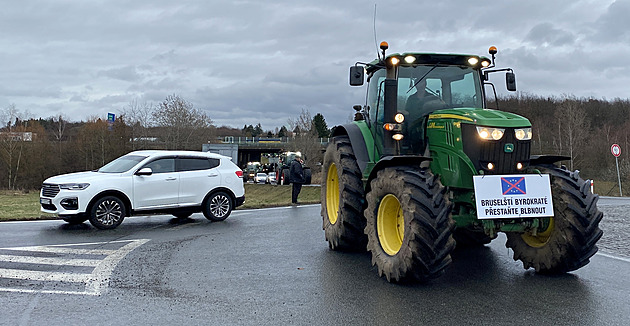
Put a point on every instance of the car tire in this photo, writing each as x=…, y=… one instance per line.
x=107, y=213
x=218, y=206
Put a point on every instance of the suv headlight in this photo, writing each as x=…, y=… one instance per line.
x=523, y=133
x=490, y=133
x=74, y=186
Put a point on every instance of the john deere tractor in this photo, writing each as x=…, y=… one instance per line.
x=426, y=166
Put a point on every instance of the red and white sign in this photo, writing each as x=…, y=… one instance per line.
x=615, y=150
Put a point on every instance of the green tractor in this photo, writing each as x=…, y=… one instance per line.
x=284, y=165
x=426, y=167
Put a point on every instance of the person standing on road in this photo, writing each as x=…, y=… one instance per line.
x=296, y=175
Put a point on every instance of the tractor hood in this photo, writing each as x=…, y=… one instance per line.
x=482, y=117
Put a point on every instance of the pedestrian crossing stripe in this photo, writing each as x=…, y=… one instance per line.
x=103, y=262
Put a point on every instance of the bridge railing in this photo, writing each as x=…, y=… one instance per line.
x=262, y=140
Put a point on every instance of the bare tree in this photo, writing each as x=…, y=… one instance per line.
x=573, y=129
x=305, y=137
x=182, y=126
x=12, y=143
x=139, y=118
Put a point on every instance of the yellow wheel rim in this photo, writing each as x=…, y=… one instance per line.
x=390, y=224
x=541, y=238
x=332, y=193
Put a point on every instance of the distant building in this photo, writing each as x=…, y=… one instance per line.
x=17, y=136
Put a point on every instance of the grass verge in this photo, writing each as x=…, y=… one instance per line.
x=24, y=205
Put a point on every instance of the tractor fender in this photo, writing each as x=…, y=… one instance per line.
x=388, y=161
x=547, y=159
x=356, y=141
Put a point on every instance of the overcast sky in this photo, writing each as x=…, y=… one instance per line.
x=249, y=62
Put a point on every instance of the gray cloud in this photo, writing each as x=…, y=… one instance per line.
x=246, y=62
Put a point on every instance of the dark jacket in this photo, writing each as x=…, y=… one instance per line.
x=296, y=173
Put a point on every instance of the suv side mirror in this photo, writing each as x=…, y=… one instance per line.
x=145, y=171
x=357, y=75
x=510, y=81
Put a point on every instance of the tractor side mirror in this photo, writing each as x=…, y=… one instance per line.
x=357, y=75
x=510, y=81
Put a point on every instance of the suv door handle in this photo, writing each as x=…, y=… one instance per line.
x=171, y=179
x=213, y=175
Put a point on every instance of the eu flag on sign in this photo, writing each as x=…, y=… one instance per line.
x=513, y=186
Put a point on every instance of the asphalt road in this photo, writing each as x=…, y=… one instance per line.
x=273, y=267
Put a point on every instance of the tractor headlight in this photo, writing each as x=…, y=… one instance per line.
x=399, y=117
x=523, y=133
x=490, y=133
x=473, y=61
x=394, y=61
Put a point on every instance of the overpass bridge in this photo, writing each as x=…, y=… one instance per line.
x=252, y=149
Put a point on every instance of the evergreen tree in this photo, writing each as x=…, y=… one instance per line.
x=283, y=132
x=319, y=124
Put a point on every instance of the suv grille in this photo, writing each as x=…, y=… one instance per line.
x=50, y=190
x=481, y=152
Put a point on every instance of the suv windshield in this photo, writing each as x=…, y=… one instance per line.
x=121, y=164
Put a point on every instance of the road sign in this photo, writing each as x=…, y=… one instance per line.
x=615, y=150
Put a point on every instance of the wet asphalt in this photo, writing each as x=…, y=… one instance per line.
x=273, y=267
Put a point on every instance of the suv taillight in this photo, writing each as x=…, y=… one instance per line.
x=239, y=173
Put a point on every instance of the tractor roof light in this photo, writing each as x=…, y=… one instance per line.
x=493, y=50
x=410, y=59
x=398, y=137
x=394, y=61
x=399, y=117
x=485, y=63
x=473, y=61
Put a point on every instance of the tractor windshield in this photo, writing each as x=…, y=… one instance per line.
x=423, y=89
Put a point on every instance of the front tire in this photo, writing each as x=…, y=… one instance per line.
x=566, y=241
x=107, y=213
x=409, y=224
x=218, y=206
x=343, y=198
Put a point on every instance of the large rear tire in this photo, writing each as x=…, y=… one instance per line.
x=409, y=224
x=342, y=197
x=284, y=180
x=565, y=242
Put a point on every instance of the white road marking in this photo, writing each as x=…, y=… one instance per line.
x=21, y=274
x=614, y=257
x=95, y=282
x=50, y=261
x=61, y=250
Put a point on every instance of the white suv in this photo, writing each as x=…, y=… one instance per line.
x=175, y=182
